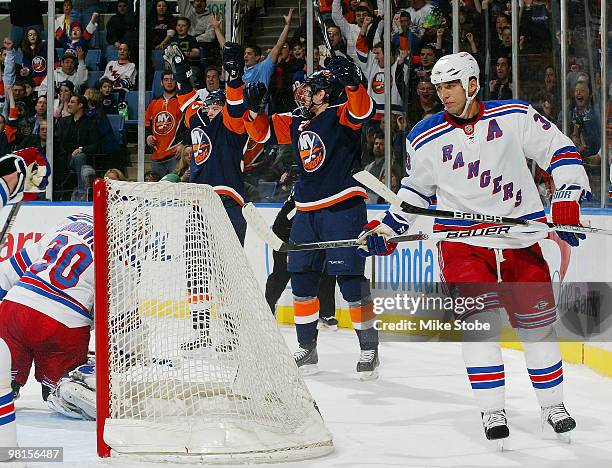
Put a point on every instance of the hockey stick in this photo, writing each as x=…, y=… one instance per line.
x=316, y=7
x=256, y=222
x=376, y=186
x=8, y=224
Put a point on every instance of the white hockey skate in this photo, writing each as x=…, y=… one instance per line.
x=559, y=419
x=496, y=427
x=367, y=366
x=307, y=360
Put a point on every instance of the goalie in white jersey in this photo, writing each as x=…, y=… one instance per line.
x=472, y=158
x=47, y=291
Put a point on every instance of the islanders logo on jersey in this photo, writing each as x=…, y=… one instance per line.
x=39, y=64
x=201, y=146
x=312, y=151
x=378, y=83
x=164, y=123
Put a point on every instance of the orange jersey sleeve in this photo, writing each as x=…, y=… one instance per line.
x=233, y=109
x=358, y=108
x=277, y=128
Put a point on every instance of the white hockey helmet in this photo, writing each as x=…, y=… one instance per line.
x=461, y=66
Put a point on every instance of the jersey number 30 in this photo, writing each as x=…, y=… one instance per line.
x=65, y=270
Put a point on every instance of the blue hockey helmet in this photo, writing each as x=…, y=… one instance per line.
x=216, y=97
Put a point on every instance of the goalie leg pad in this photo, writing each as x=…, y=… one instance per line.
x=74, y=399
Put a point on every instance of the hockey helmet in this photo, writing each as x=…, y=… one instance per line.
x=462, y=67
x=216, y=97
x=319, y=80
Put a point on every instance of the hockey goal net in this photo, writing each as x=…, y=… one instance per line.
x=190, y=362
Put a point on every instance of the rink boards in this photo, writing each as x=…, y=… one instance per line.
x=413, y=268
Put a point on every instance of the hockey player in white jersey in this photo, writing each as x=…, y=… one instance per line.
x=471, y=157
x=47, y=291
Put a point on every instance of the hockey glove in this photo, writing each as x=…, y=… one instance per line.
x=181, y=69
x=37, y=167
x=566, y=210
x=255, y=97
x=374, y=235
x=233, y=59
x=346, y=72
x=11, y=164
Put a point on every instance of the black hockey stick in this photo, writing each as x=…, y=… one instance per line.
x=256, y=222
x=8, y=224
x=371, y=182
x=317, y=11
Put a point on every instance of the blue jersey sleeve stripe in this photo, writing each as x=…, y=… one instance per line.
x=564, y=162
x=434, y=136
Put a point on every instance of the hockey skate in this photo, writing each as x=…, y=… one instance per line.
x=307, y=360
x=496, y=426
x=559, y=419
x=201, y=341
x=367, y=366
x=327, y=323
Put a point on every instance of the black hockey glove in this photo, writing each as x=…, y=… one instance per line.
x=344, y=71
x=181, y=69
x=233, y=59
x=255, y=97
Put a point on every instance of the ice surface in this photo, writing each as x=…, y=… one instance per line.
x=419, y=413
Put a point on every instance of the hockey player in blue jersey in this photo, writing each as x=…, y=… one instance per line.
x=472, y=158
x=330, y=203
x=218, y=140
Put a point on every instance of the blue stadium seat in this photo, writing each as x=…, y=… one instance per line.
x=157, y=58
x=117, y=123
x=131, y=98
x=92, y=59
x=93, y=78
x=157, y=88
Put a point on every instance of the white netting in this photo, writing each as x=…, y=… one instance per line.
x=173, y=255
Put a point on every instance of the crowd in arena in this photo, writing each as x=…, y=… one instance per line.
x=96, y=78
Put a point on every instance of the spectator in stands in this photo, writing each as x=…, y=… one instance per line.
x=114, y=174
x=419, y=10
x=34, y=51
x=37, y=140
x=202, y=28
x=548, y=91
x=256, y=69
x=110, y=153
x=377, y=166
x=70, y=72
x=77, y=138
x=78, y=38
x=189, y=46
x=585, y=121
x=19, y=92
x=281, y=87
x=184, y=154
x=336, y=41
x=24, y=14
x=63, y=21
x=372, y=63
x=162, y=26
x=29, y=99
x=402, y=37
x=121, y=72
x=212, y=81
x=108, y=104
x=429, y=55
x=501, y=87
x=162, y=120
x=8, y=128
x=427, y=102
x=60, y=105
x=351, y=31
x=40, y=113
x=122, y=28
x=505, y=47
x=535, y=20
x=151, y=176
